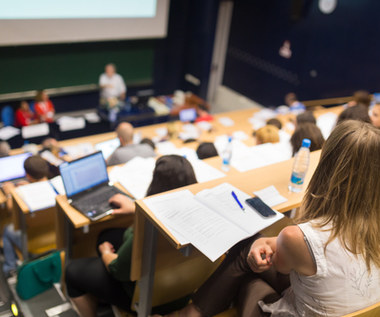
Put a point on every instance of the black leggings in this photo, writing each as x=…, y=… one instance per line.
x=90, y=276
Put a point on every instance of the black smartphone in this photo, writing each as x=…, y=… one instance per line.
x=262, y=208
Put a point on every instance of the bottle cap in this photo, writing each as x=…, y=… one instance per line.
x=306, y=143
x=229, y=139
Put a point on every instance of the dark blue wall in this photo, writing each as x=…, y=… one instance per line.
x=332, y=55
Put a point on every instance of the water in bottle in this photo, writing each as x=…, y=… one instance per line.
x=300, y=166
x=226, y=156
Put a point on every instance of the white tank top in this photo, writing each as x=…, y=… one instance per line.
x=340, y=286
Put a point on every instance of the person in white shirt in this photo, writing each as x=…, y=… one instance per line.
x=112, y=90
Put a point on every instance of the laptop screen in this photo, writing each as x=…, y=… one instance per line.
x=12, y=167
x=84, y=173
x=188, y=115
x=108, y=147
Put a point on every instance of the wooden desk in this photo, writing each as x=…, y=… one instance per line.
x=37, y=228
x=147, y=226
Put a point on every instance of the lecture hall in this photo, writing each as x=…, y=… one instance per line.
x=189, y=158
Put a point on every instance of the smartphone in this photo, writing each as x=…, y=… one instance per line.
x=262, y=208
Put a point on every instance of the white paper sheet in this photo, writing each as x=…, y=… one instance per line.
x=71, y=123
x=204, y=172
x=37, y=196
x=227, y=122
x=58, y=185
x=51, y=158
x=270, y=196
x=211, y=221
x=240, y=135
x=195, y=223
x=8, y=132
x=259, y=156
x=35, y=130
x=135, y=175
x=166, y=148
x=326, y=123
x=204, y=125
x=79, y=150
x=92, y=117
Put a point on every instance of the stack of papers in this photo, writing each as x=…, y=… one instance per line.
x=92, y=117
x=270, y=196
x=211, y=220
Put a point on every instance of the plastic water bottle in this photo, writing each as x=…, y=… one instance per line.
x=226, y=156
x=300, y=166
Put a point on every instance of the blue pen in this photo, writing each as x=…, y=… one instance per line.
x=237, y=200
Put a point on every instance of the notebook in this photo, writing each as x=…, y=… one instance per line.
x=87, y=185
x=12, y=167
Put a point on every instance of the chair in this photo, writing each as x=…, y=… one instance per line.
x=7, y=116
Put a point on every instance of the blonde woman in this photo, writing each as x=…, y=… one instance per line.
x=267, y=134
x=332, y=256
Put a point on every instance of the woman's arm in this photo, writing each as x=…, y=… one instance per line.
x=107, y=251
x=287, y=252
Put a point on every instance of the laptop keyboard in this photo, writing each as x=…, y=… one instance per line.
x=97, y=200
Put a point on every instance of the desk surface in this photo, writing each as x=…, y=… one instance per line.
x=276, y=174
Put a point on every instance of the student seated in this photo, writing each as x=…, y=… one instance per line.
x=360, y=97
x=274, y=121
x=149, y=142
x=44, y=108
x=358, y=112
x=206, y=150
x=293, y=103
x=4, y=148
x=375, y=115
x=36, y=169
x=267, y=134
x=24, y=116
x=127, y=149
x=107, y=278
x=307, y=131
x=306, y=116
x=332, y=255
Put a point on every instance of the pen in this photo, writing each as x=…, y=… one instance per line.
x=237, y=200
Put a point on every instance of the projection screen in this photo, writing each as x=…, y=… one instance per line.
x=25, y=22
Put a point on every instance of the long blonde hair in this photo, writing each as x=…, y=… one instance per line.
x=344, y=191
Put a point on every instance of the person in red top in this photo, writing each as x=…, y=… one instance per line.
x=44, y=108
x=24, y=116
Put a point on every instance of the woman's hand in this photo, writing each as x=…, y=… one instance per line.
x=123, y=205
x=106, y=248
x=260, y=255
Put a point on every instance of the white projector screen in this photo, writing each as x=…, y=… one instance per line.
x=24, y=22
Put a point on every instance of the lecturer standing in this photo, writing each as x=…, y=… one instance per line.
x=112, y=91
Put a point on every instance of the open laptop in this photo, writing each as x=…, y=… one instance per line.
x=87, y=185
x=188, y=115
x=108, y=147
x=12, y=167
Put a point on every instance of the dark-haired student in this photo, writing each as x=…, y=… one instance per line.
x=36, y=169
x=358, y=112
x=332, y=254
x=309, y=131
x=148, y=142
x=206, y=150
x=306, y=116
x=274, y=121
x=107, y=278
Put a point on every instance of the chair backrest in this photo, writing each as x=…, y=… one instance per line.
x=371, y=311
x=7, y=116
